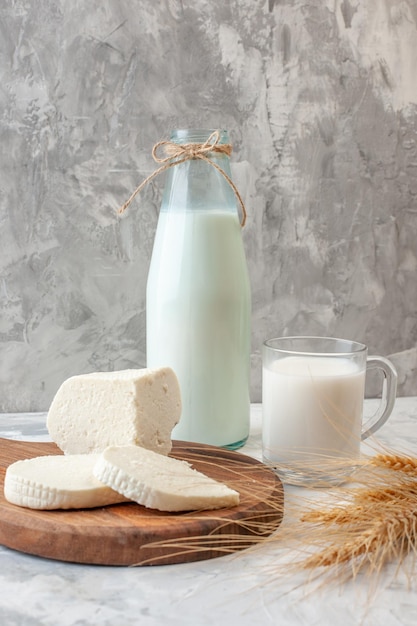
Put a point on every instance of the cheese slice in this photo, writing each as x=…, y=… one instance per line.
x=160, y=482
x=57, y=482
x=93, y=411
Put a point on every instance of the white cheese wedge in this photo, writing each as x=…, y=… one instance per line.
x=57, y=482
x=160, y=482
x=93, y=411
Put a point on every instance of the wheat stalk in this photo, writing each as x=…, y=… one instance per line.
x=372, y=524
x=395, y=462
x=380, y=534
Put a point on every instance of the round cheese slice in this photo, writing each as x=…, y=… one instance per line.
x=57, y=482
x=160, y=482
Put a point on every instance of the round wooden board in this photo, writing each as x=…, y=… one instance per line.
x=129, y=534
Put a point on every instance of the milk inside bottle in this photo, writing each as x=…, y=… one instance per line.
x=198, y=299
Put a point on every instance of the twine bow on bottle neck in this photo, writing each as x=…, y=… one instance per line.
x=175, y=154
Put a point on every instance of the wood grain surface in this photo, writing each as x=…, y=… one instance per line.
x=129, y=534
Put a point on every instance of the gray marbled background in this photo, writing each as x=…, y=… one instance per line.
x=320, y=99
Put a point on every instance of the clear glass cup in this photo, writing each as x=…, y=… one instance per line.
x=313, y=390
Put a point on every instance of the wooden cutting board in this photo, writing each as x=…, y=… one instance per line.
x=129, y=534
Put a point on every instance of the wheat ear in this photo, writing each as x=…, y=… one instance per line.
x=395, y=462
x=386, y=538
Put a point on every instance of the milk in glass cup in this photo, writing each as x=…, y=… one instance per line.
x=313, y=390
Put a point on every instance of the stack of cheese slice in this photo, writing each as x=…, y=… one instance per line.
x=115, y=430
x=118, y=474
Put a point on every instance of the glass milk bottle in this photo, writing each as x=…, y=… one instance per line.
x=198, y=298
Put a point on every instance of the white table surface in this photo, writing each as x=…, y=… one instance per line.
x=236, y=590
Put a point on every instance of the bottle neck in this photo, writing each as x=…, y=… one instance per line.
x=208, y=147
x=195, y=184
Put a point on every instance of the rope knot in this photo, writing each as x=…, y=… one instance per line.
x=194, y=151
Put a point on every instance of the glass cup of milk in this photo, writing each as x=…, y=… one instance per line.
x=313, y=390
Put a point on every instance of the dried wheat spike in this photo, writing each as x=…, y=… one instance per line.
x=347, y=514
x=385, y=538
x=396, y=462
x=397, y=495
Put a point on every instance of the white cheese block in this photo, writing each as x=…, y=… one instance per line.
x=160, y=482
x=57, y=482
x=93, y=411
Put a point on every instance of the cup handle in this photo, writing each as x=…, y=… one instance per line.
x=389, y=390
